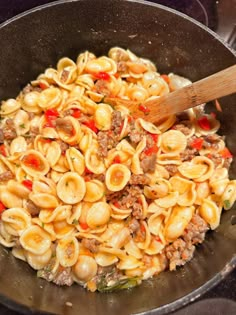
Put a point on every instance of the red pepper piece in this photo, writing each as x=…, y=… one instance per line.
x=204, y=123
x=28, y=184
x=76, y=113
x=84, y=225
x=91, y=124
x=50, y=116
x=87, y=171
x=32, y=161
x=2, y=207
x=102, y=76
x=157, y=238
x=166, y=78
x=142, y=228
x=117, y=160
x=197, y=143
x=225, y=153
x=144, y=109
x=154, y=137
x=43, y=86
x=3, y=150
x=151, y=150
x=116, y=204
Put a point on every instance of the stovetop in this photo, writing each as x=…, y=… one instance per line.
x=220, y=16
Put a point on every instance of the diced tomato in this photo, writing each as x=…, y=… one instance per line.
x=43, y=86
x=2, y=207
x=28, y=184
x=116, y=75
x=129, y=118
x=3, y=150
x=225, y=153
x=151, y=150
x=117, y=160
x=142, y=228
x=154, y=137
x=144, y=109
x=102, y=76
x=204, y=123
x=91, y=124
x=86, y=178
x=46, y=140
x=50, y=116
x=76, y=113
x=87, y=171
x=84, y=225
x=166, y=78
x=157, y=238
x=197, y=143
x=32, y=161
x=116, y=204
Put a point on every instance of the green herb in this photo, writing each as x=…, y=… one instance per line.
x=67, y=184
x=169, y=148
x=43, y=225
x=75, y=221
x=227, y=204
x=22, y=126
x=121, y=284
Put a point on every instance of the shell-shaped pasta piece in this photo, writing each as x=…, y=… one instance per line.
x=49, y=98
x=137, y=93
x=85, y=81
x=67, y=70
x=34, y=163
x=60, y=213
x=132, y=249
x=119, y=239
x=154, y=208
x=63, y=229
x=155, y=247
x=102, y=116
x=186, y=189
x=30, y=102
x=96, y=97
x=21, y=122
x=210, y=212
x=117, y=176
x=98, y=214
x=177, y=222
x=146, y=242
x=105, y=259
x=101, y=64
x=213, y=123
x=62, y=165
x=95, y=190
x=200, y=168
x=38, y=262
x=218, y=186
x=173, y=141
x=126, y=147
x=168, y=201
x=16, y=220
x=167, y=123
x=168, y=158
x=18, y=145
x=74, y=134
x=147, y=126
x=93, y=162
x=82, y=60
x=85, y=268
x=9, y=199
x=155, y=222
x=67, y=251
x=18, y=189
x=129, y=262
x=44, y=200
x=53, y=153
x=176, y=82
x=9, y=107
x=75, y=160
x=35, y=240
x=87, y=139
x=219, y=173
x=118, y=54
x=203, y=191
x=229, y=196
x=71, y=188
x=18, y=253
x=158, y=190
x=44, y=185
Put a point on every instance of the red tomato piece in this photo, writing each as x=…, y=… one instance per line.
x=197, y=143
x=50, y=116
x=3, y=150
x=151, y=150
x=76, y=113
x=84, y=225
x=2, y=207
x=43, y=86
x=154, y=137
x=225, y=153
x=144, y=109
x=32, y=161
x=204, y=123
x=87, y=171
x=28, y=184
x=117, y=160
x=116, y=204
x=166, y=78
x=102, y=76
x=91, y=124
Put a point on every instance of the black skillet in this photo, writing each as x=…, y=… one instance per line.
x=37, y=39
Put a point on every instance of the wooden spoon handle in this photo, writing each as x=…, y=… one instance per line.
x=215, y=86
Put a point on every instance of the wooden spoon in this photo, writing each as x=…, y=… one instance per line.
x=215, y=86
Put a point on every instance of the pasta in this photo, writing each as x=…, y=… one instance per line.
x=92, y=195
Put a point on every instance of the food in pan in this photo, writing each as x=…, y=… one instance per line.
x=89, y=193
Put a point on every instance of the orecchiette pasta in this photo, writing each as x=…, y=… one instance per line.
x=85, y=186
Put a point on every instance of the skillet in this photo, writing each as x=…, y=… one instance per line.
x=35, y=40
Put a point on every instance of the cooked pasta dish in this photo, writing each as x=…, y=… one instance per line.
x=91, y=194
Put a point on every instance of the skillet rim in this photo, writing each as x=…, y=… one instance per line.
x=192, y=296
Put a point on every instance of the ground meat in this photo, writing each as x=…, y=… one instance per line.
x=184, y=127
x=137, y=211
x=64, y=277
x=182, y=116
x=1, y=136
x=116, y=121
x=64, y=146
x=188, y=154
x=172, y=169
x=103, y=140
x=141, y=179
x=31, y=115
x=216, y=158
x=9, y=130
x=102, y=87
x=136, y=136
x=91, y=244
x=29, y=88
x=147, y=260
x=227, y=163
x=32, y=208
x=121, y=66
x=195, y=230
x=211, y=141
x=148, y=163
x=64, y=125
x=133, y=225
x=106, y=276
x=5, y=176
x=64, y=75
x=34, y=131
x=178, y=253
